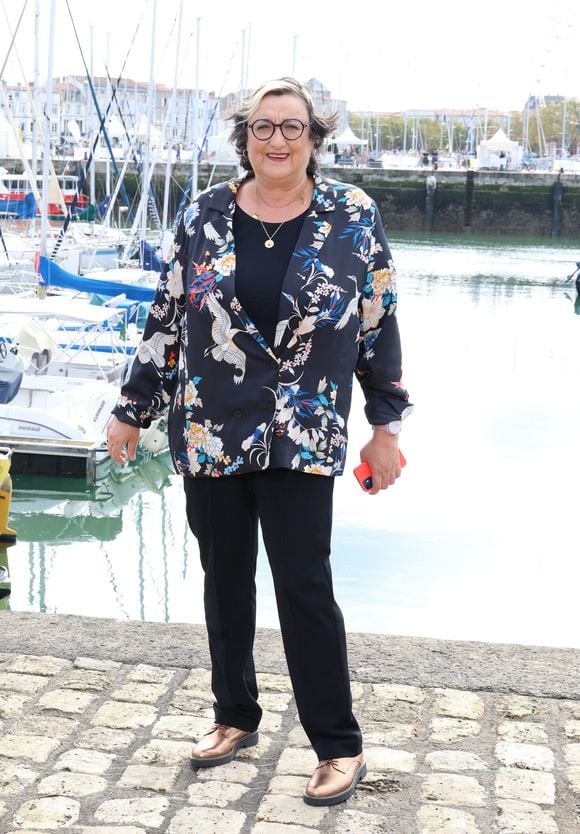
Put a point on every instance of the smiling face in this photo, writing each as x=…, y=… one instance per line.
x=279, y=161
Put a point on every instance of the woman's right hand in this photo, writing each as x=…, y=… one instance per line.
x=122, y=440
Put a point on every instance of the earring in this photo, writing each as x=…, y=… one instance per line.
x=244, y=155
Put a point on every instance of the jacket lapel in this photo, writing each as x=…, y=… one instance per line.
x=220, y=252
x=311, y=241
x=217, y=232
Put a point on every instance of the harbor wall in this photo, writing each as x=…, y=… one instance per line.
x=530, y=203
x=459, y=202
x=536, y=204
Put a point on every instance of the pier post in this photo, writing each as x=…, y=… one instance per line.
x=469, y=185
x=430, y=202
x=557, y=207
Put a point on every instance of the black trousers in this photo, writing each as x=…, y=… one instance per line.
x=295, y=512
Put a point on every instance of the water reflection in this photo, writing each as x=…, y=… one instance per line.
x=105, y=551
x=477, y=540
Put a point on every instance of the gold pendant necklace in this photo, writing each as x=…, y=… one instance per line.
x=269, y=242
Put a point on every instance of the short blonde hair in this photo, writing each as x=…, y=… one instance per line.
x=320, y=126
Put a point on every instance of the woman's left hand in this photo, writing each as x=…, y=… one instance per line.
x=382, y=455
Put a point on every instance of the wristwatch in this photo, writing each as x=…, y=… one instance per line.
x=394, y=427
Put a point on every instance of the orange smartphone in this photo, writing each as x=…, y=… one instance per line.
x=364, y=476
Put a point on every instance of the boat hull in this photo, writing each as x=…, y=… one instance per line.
x=58, y=425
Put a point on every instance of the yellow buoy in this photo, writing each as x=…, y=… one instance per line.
x=6, y=533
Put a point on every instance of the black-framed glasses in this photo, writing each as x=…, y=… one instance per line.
x=291, y=129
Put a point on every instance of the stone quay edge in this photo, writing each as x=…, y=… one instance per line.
x=97, y=717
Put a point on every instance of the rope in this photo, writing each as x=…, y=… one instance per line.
x=137, y=161
x=13, y=35
x=188, y=187
x=5, y=247
x=102, y=120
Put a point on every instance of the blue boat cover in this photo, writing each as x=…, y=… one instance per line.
x=149, y=258
x=24, y=208
x=54, y=275
x=9, y=385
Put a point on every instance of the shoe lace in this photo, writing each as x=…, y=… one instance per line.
x=220, y=728
x=333, y=763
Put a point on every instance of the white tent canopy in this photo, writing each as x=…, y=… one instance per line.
x=145, y=130
x=346, y=138
x=499, y=142
x=499, y=152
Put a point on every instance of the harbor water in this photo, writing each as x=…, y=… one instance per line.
x=476, y=541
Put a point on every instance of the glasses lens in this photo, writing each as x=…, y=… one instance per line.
x=292, y=129
x=263, y=129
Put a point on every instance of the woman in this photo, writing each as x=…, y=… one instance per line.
x=281, y=288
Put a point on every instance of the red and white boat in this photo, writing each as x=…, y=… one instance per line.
x=18, y=199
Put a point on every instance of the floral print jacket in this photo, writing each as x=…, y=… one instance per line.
x=237, y=404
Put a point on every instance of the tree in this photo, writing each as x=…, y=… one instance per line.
x=545, y=129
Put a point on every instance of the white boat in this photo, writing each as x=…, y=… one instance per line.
x=61, y=362
x=55, y=424
x=67, y=337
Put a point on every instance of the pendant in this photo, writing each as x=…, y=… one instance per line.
x=269, y=243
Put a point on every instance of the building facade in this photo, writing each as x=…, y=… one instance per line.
x=195, y=118
x=74, y=116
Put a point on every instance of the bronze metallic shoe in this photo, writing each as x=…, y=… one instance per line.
x=220, y=745
x=334, y=780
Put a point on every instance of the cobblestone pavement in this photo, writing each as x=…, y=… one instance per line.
x=101, y=747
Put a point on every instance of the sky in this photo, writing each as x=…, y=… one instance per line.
x=377, y=55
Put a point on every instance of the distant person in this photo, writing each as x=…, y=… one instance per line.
x=282, y=288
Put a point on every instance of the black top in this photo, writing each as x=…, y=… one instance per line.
x=260, y=271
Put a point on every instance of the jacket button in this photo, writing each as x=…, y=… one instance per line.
x=238, y=412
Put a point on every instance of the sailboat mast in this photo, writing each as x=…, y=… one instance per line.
x=171, y=121
x=36, y=85
x=248, y=56
x=194, y=175
x=109, y=97
x=243, y=64
x=47, y=134
x=150, y=91
x=92, y=130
